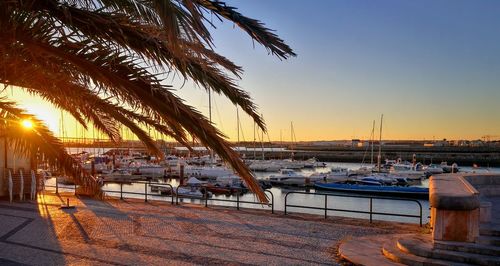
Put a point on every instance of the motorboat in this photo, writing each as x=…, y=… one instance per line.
x=147, y=169
x=118, y=175
x=313, y=163
x=223, y=190
x=292, y=164
x=409, y=171
x=207, y=171
x=204, y=160
x=171, y=161
x=449, y=168
x=193, y=192
x=362, y=171
x=433, y=169
x=373, y=188
x=188, y=192
x=162, y=189
x=288, y=177
x=336, y=174
x=265, y=166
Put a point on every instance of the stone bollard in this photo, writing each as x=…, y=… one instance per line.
x=455, y=209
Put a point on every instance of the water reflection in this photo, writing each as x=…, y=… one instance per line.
x=333, y=202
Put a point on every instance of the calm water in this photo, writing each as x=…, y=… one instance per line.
x=334, y=202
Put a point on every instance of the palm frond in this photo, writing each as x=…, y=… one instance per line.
x=103, y=61
x=40, y=141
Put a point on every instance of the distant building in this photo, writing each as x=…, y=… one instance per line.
x=477, y=143
x=355, y=143
x=441, y=143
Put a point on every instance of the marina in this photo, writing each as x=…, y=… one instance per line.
x=209, y=132
x=279, y=194
x=222, y=187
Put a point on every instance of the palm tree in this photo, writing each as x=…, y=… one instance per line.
x=103, y=62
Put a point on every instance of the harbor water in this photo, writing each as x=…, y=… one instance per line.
x=308, y=199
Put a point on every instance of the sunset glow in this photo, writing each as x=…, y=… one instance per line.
x=27, y=124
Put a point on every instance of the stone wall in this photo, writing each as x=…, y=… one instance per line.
x=487, y=184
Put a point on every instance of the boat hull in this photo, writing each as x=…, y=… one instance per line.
x=407, y=192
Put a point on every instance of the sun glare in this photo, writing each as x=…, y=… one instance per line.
x=27, y=124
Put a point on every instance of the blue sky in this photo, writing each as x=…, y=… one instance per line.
x=431, y=67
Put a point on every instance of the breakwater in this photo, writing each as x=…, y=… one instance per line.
x=464, y=156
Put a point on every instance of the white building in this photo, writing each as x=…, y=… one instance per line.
x=13, y=162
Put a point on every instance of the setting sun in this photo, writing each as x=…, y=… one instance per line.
x=27, y=124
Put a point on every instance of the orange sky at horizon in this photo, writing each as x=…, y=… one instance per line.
x=336, y=128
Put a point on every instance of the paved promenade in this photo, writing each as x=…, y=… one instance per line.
x=133, y=232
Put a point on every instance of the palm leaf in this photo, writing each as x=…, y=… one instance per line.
x=102, y=61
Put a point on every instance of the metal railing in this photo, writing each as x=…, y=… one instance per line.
x=145, y=194
x=206, y=198
x=370, y=212
x=58, y=186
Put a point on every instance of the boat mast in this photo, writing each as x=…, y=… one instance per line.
x=379, y=157
x=210, y=118
x=254, y=143
x=281, y=145
x=262, y=140
x=209, y=106
x=238, y=124
x=372, y=138
x=262, y=145
x=291, y=137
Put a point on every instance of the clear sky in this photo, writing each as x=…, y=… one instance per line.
x=431, y=67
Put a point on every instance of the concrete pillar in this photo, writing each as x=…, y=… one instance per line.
x=455, y=225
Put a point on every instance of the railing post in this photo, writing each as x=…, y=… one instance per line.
x=238, y=200
x=326, y=206
x=177, y=195
x=371, y=209
x=206, y=198
x=286, y=197
x=75, y=188
x=420, y=205
x=121, y=190
x=172, y=193
x=272, y=201
x=145, y=192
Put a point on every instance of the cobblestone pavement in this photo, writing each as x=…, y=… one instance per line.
x=137, y=233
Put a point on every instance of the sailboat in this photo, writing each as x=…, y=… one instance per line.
x=292, y=163
x=368, y=170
